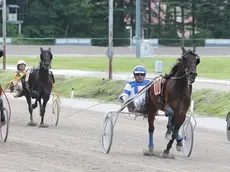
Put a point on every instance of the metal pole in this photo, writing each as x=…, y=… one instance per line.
x=4, y=32
x=182, y=20
x=131, y=35
x=138, y=28
x=110, y=54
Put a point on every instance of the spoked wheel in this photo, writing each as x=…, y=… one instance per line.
x=188, y=137
x=56, y=111
x=4, y=126
x=107, y=135
x=228, y=126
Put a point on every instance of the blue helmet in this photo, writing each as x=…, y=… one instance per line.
x=139, y=69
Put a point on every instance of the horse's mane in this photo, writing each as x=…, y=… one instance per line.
x=173, y=70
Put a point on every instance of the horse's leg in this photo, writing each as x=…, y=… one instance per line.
x=169, y=112
x=35, y=104
x=180, y=121
x=179, y=144
x=151, y=131
x=151, y=117
x=1, y=111
x=28, y=99
x=42, y=112
x=174, y=135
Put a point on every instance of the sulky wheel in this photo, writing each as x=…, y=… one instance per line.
x=188, y=137
x=4, y=126
x=107, y=135
x=56, y=111
x=228, y=126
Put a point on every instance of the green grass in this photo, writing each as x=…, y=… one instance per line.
x=211, y=102
x=207, y=102
x=92, y=88
x=217, y=68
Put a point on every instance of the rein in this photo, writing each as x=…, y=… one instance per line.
x=178, y=77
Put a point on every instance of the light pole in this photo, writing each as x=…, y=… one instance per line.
x=110, y=50
x=4, y=32
x=138, y=28
x=130, y=35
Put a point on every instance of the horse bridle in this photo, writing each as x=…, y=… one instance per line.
x=43, y=61
x=185, y=69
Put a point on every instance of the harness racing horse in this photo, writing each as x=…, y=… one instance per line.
x=40, y=86
x=177, y=97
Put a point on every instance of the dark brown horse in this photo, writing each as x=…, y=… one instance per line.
x=177, y=97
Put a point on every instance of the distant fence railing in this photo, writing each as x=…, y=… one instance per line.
x=217, y=42
x=156, y=42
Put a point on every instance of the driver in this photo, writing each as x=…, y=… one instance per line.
x=133, y=87
x=17, y=84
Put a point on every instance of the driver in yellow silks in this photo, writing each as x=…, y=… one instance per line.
x=21, y=66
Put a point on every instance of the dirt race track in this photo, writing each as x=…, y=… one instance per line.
x=75, y=146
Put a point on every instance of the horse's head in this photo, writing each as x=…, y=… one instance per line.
x=190, y=60
x=45, y=58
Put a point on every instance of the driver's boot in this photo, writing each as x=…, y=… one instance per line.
x=131, y=107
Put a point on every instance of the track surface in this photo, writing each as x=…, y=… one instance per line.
x=75, y=146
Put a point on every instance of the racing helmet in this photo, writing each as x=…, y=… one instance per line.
x=20, y=62
x=139, y=70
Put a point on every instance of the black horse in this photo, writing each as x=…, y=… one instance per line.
x=38, y=86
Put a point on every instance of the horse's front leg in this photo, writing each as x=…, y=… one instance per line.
x=174, y=136
x=35, y=104
x=1, y=111
x=28, y=99
x=169, y=113
x=42, y=112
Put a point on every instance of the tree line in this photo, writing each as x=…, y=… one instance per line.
x=89, y=19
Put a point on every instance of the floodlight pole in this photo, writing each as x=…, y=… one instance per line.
x=110, y=54
x=138, y=28
x=4, y=32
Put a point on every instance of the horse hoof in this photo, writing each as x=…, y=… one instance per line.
x=179, y=148
x=168, y=136
x=43, y=126
x=31, y=124
x=167, y=156
x=150, y=152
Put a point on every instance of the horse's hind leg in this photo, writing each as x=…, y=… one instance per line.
x=28, y=99
x=151, y=116
x=42, y=112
